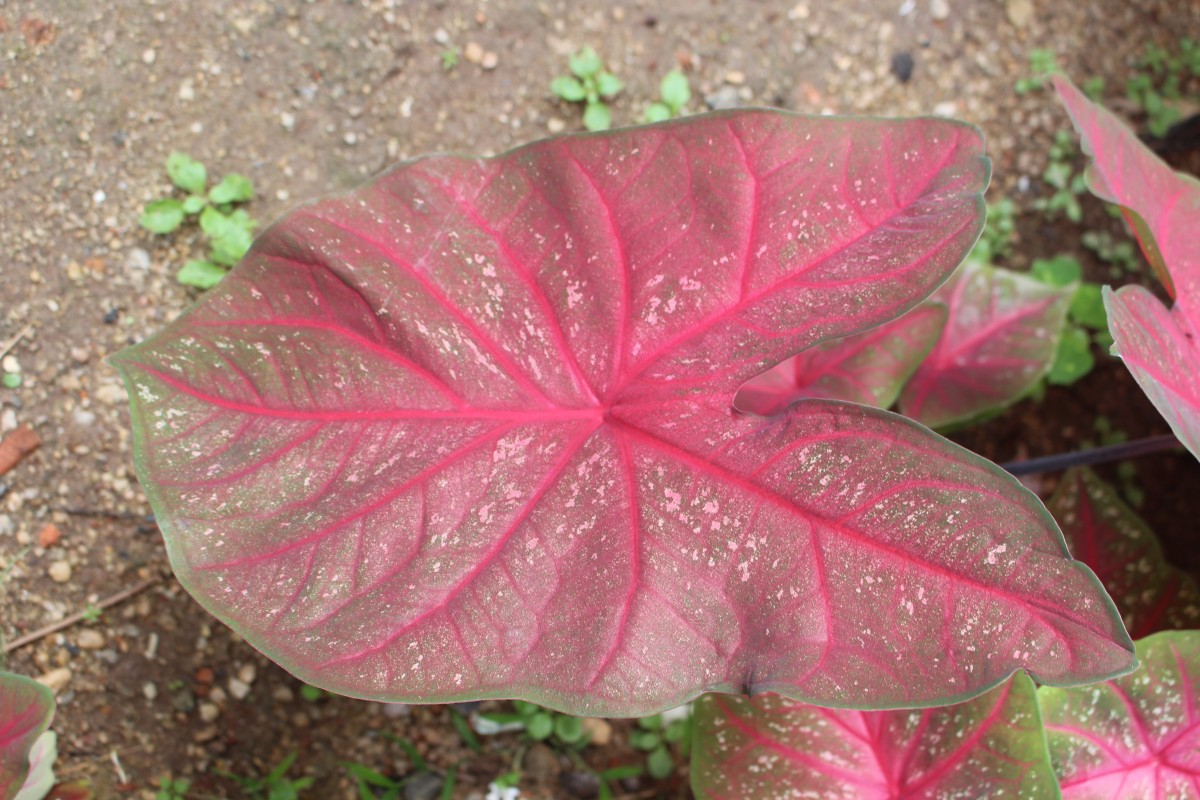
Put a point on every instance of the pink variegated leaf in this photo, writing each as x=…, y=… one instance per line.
x=468, y=432
x=1163, y=208
x=1132, y=737
x=867, y=368
x=771, y=747
x=26, y=708
x=1000, y=339
x=1109, y=537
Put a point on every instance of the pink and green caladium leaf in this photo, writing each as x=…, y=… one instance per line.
x=1163, y=208
x=1000, y=340
x=867, y=368
x=770, y=747
x=1104, y=533
x=468, y=432
x=1136, y=736
x=26, y=708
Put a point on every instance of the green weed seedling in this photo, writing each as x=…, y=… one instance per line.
x=1061, y=176
x=449, y=58
x=996, y=240
x=655, y=735
x=675, y=93
x=591, y=84
x=1119, y=253
x=373, y=785
x=229, y=230
x=540, y=724
x=172, y=789
x=275, y=786
x=1042, y=64
x=1087, y=322
x=1157, y=89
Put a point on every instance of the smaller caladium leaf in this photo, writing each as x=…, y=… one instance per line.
x=26, y=708
x=41, y=768
x=1001, y=338
x=868, y=368
x=1163, y=208
x=768, y=747
x=1109, y=537
x=1136, y=736
x=1158, y=347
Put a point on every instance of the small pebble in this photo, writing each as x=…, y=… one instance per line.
x=441, y=36
x=49, y=536
x=247, y=674
x=902, y=66
x=137, y=259
x=148, y=56
x=351, y=138
x=150, y=690
x=473, y=52
x=490, y=60
x=946, y=109
x=83, y=418
x=288, y=120
x=423, y=786
x=238, y=689
x=555, y=125
x=99, y=197
x=187, y=91
x=735, y=77
x=111, y=394
x=81, y=354
x=394, y=710
x=599, y=731
x=209, y=712
x=283, y=694
x=939, y=9
x=56, y=679
x=60, y=572
x=90, y=639
x=206, y=734
x=725, y=97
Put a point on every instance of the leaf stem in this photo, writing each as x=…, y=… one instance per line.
x=1096, y=455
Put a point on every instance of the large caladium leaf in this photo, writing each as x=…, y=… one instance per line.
x=468, y=432
x=1000, y=339
x=1136, y=736
x=26, y=708
x=1104, y=533
x=770, y=747
x=867, y=368
x=1163, y=208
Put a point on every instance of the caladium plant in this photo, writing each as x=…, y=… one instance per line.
x=1104, y=533
x=1137, y=736
x=26, y=747
x=868, y=368
x=769, y=746
x=1157, y=344
x=468, y=432
x=1000, y=340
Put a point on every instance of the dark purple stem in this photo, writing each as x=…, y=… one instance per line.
x=1097, y=455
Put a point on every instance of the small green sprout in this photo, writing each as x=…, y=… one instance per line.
x=229, y=231
x=1042, y=64
x=1120, y=253
x=91, y=613
x=172, y=789
x=1074, y=359
x=589, y=83
x=1061, y=176
x=275, y=786
x=675, y=92
x=449, y=58
x=655, y=735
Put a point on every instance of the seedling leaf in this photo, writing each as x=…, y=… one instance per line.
x=233, y=188
x=162, y=216
x=186, y=172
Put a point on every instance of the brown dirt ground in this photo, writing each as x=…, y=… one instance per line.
x=309, y=98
